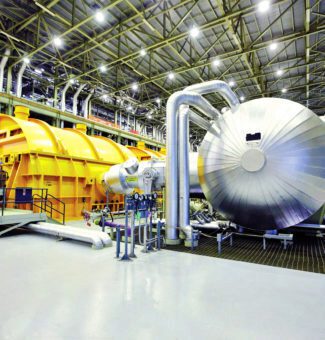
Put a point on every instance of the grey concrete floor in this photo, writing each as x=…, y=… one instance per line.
x=66, y=290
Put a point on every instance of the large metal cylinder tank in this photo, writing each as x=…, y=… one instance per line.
x=263, y=166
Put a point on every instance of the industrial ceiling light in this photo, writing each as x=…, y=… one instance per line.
x=72, y=81
x=158, y=100
x=273, y=46
x=231, y=83
x=38, y=70
x=279, y=73
x=143, y=52
x=242, y=98
x=57, y=41
x=149, y=116
x=99, y=16
x=216, y=62
x=135, y=87
x=194, y=32
x=284, y=90
x=102, y=68
x=129, y=108
x=26, y=60
x=171, y=75
x=104, y=96
x=263, y=6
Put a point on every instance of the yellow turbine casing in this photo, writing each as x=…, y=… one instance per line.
x=67, y=162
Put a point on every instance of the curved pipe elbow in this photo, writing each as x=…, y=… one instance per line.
x=216, y=86
x=191, y=99
x=187, y=230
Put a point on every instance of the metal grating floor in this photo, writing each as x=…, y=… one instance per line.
x=306, y=254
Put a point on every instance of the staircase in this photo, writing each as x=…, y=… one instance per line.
x=46, y=202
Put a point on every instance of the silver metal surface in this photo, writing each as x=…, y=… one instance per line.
x=199, y=121
x=85, y=105
x=173, y=104
x=98, y=239
x=19, y=84
x=183, y=145
x=75, y=99
x=146, y=175
x=271, y=183
x=184, y=174
x=218, y=86
x=131, y=165
x=195, y=186
x=3, y=64
x=63, y=94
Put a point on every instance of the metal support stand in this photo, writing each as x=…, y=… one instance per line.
x=126, y=257
x=195, y=236
x=221, y=238
x=145, y=232
x=132, y=254
x=150, y=245
x=118, y=242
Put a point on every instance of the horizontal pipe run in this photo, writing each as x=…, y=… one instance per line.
x=199, y=121
x=98, y=239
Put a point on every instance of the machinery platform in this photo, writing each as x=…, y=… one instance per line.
x=15, y=218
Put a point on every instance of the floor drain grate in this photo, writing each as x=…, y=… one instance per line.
x=306, y=254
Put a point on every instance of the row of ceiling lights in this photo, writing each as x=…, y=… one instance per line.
x=194, y=32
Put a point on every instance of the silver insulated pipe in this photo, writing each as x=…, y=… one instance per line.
x=177, y=163
x=63, y=93
x=173, y=105
x=184, y=149
x=3, y=63
x=98, y=239
x=85, y=107
x=75, y=99
x=19, y=85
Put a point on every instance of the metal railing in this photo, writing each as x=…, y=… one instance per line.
x=61, y=204
x=42, y=201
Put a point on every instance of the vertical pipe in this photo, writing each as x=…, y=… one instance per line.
x=184, y=165
x=85, y=105
x=55, y=97
x=172, y=146
x=75, y=99
x=3, y=63
x=171, y=174
x=63, y=93
x=90, y=107
x=183, y=145
x=9, y=79
x=19, y=85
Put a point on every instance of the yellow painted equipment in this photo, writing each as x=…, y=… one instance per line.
x=67, y=162
x=143, y=153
